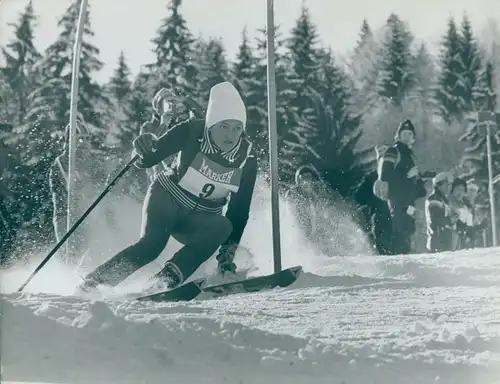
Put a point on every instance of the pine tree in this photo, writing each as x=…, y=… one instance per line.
x=490, y=48
x=474, y=160
x=39, y=137
x=420, y=102
x=471, y=64
x=21, y=56
x=336, y=129
x=257, y=92
x=245, y=74
x=303, y=56
x=243, y=68
x=9, y=106
x=119, y=90
x=484, y=93
x=449, y=88
x=212, y=67
x=364, y=66
x=173, y=48
x=365, y=36
x=57, y=65
x=425, y=76
x=120, y=84
x=139, y=107
x=396, y=77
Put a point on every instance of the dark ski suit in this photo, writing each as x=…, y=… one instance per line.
x=183, y=203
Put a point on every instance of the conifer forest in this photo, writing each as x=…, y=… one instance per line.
x=332, y=110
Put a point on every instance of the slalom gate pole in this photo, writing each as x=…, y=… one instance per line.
x=80, y=220
x=273, y=137
x=73, y=111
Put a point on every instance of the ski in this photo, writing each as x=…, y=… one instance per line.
x=254, y=284
x=191, y=290
x=185, y=292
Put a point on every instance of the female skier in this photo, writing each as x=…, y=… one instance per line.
x=213, y=168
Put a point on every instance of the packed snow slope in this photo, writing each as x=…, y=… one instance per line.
x=354, y=320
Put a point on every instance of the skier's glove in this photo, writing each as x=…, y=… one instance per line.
x=145, y=144
x=225, y=259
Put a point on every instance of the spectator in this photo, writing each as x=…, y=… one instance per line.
x=466, y=229
x=438, y=215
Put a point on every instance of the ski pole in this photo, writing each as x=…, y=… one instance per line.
x=80, y=220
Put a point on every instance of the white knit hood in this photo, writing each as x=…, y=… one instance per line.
x=225, y=103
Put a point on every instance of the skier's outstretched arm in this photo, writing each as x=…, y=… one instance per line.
x=168, y=144
x=239, y=204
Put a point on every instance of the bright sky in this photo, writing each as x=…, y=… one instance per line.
x=129, y=25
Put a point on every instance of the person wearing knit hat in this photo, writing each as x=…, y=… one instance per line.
x=406, y=133
x=214, y=168
x=400, y=184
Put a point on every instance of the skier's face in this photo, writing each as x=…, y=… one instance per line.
x=226, y=133
x=407, y=137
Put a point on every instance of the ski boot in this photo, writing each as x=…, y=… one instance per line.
x=225, y=263
x=169, y=277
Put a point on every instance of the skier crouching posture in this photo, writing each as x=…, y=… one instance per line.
x=213, y=166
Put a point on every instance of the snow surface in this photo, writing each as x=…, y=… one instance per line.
x=356, y=319
x=413, y=319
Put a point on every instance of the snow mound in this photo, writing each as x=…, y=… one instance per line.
x=351, y=320
x=71, y=341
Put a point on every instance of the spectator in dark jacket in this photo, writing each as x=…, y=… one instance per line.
x=400, y=183
x=438, y=215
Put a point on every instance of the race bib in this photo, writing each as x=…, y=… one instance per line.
x=209, y=180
